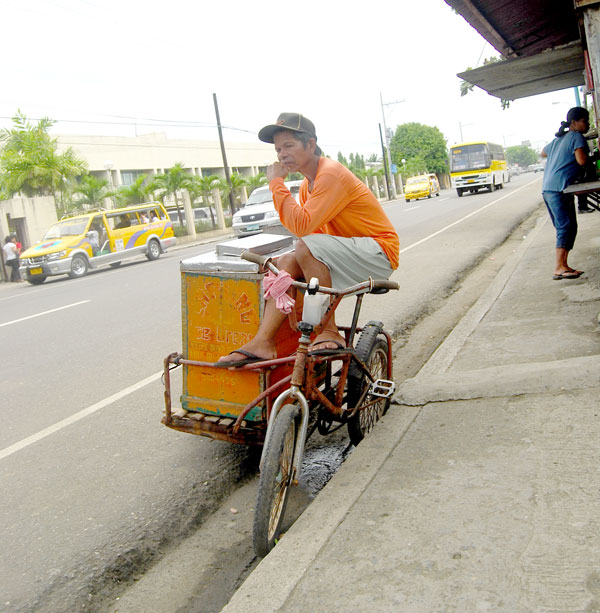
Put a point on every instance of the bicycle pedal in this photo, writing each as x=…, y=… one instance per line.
x=382, y=388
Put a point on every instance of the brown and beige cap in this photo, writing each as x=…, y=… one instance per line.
x=288, y=121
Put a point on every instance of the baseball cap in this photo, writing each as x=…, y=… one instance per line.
x=288, y=121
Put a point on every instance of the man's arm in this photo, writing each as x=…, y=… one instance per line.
x=327, y=199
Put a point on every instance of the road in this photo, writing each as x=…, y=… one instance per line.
x=94, y=488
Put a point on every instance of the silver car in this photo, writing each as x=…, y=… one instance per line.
x=259, y=214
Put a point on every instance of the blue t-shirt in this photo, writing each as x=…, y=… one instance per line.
x=562, y=168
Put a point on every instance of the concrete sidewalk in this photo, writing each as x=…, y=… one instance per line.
x=479, y=491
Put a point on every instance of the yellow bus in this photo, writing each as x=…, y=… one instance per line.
x=477, y=165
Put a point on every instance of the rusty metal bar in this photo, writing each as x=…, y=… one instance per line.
x=269, y=391
x=170, y=359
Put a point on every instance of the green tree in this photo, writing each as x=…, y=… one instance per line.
x=170, y=183
x=341, y=159
x=136, y=193
x=415, y=142
x=30, y=163
x=237, y=182
x=203, y=186
x=256, y=181
x=521, y=155
x=93, y=191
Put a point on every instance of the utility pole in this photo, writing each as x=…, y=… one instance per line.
x=385, y=167
x=227, y=177
x=387, y=140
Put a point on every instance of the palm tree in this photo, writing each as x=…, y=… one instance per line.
x=93, y=190
x=170, y=183
x=237, y=182
x=136, y=193
x=205, y=185
x=197, y=189
x=256, y=181
x=30, y=164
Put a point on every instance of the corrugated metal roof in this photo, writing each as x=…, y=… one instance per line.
x=528, y=76
x=540, y=39
x=521, y=28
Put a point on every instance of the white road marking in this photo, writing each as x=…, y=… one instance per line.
x=423, y=240
x=140, y=384
x=34, y=438
x=412, y=208
x=68, y=306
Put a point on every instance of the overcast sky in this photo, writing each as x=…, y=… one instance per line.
x=92, y=63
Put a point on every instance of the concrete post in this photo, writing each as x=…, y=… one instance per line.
x=244, y=194
x=219, y=209
x=591, y=22
x=190, y=222
x=376, y=186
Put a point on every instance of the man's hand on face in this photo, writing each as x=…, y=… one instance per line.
x=277, y=169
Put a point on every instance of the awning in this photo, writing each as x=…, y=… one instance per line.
x=548, y=71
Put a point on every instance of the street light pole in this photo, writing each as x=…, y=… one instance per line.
x=387, y=140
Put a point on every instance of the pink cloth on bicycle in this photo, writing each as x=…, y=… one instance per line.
x=276, y=286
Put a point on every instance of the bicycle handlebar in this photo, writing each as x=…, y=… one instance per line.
x=372, y=285
x=384, y=284
x=261, y=260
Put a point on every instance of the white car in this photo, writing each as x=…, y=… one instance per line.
x=259, y=214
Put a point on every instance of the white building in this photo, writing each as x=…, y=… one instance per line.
x=121, y=159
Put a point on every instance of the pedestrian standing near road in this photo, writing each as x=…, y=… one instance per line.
x=11, y=256
x=567, y=154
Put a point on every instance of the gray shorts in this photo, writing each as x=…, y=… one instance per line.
x=350, y=260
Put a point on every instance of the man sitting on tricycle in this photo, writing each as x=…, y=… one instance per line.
x=344, y=234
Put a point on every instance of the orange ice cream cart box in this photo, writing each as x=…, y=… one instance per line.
x=222, y=307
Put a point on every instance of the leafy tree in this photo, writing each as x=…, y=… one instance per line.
x=136, y=193
x=30, y=164
x=419, y=144
x=341, y=159
x=521, y=155
x=93, y=191
x=203, y=186
x=237, y=182
x=170, y=183
x=256, y=181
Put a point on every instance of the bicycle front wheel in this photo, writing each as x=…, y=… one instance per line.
x=275, y=480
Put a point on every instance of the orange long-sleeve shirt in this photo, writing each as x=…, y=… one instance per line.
x=339, y=204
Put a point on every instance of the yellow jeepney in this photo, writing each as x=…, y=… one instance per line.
x=104, y=238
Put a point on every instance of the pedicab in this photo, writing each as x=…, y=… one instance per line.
x=277, y=403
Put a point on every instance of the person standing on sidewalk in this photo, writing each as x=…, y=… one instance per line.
x=567, y=154
x=11, y=256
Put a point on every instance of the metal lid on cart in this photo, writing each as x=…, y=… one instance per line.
x=226, y=256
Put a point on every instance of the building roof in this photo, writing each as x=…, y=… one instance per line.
x=539, y=39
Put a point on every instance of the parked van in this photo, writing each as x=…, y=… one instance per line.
x=259, y=214
x=423, y=186
x=201, y=214
x=75, y=244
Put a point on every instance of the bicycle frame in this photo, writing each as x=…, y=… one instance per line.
x=304, y=382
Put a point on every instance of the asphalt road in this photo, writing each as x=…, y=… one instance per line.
x=93, y=486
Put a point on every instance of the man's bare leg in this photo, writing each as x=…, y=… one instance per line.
x=299, y=264
x=263, y=344
x=311, y=267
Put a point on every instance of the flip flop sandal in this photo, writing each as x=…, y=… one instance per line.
x=251, y=358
